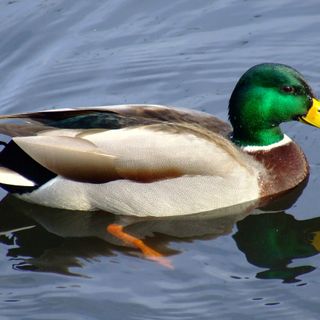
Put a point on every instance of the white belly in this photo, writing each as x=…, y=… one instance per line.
x=179, y=196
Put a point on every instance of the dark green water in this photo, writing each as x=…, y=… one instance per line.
x=62, y=265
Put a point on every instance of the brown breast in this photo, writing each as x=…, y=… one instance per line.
x=286, y=167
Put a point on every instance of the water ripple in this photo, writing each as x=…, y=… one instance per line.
x=184, y=53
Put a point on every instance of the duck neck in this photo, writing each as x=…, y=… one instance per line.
x=244, y=137
x=284, y=166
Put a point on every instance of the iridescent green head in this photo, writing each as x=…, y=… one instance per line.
x=265, y=96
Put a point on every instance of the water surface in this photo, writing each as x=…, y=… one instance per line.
x=59, y=53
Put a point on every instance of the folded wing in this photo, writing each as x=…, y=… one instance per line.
x=142, y=154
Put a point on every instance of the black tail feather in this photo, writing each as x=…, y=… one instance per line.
x=14, y=158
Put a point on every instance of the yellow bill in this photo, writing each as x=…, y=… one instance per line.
x=313, y=115
x=316, y=240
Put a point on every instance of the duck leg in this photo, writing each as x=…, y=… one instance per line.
x=117, y=231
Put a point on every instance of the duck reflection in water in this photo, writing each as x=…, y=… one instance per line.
x=274, y=239
x=69, y=235
x=52, y=240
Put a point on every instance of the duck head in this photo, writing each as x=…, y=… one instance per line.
x=264, y=97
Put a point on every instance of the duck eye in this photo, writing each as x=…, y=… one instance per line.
x=288, y=89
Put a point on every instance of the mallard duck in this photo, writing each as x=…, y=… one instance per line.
x=153, y=160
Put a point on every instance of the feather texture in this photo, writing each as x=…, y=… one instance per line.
x=142, y=154
x=183, y=170
x=73, y=158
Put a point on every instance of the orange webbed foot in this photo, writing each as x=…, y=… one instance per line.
x=118, y=231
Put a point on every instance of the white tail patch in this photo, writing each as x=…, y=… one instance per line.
x=13, y=178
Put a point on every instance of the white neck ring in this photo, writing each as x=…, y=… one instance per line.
x=284, y=141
